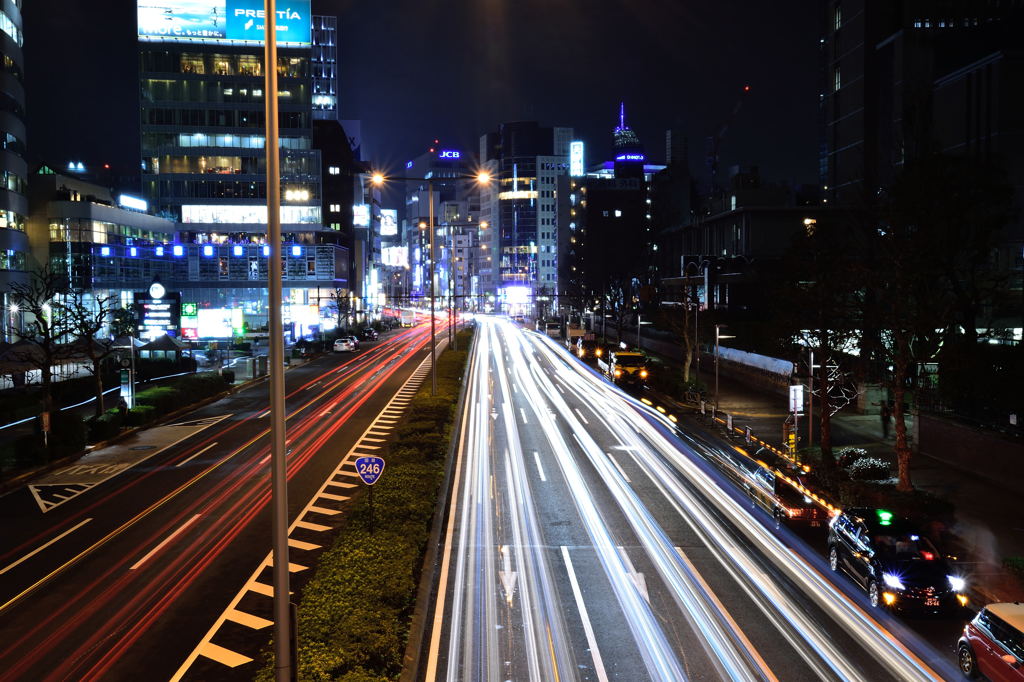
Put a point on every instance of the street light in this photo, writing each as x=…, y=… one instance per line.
x=718, y=337
x=378, y=179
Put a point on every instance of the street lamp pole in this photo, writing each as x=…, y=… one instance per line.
x=283, y=663
x=433, y=340
x=716, y=366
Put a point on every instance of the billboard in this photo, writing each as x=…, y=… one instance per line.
x=388, y=222
x=576, y=159
x=395, y=256
x=361, y=215
x=214, y=21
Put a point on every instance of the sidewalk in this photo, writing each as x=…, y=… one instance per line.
x=989, y=525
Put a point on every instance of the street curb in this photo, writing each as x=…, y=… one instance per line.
x=412, y=661
x=11, y=484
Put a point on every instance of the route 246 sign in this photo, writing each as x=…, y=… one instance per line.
x=369, y=469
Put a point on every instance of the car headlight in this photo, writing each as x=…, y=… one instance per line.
x=598, y=352
x=893, y=581
x=957, y=583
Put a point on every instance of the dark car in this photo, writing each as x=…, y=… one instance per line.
x=894, y=563
x=588, y=349
x=368, y=334
x=993, y=644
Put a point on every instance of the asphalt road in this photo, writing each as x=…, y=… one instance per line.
x=129, y=564
x=587, y=539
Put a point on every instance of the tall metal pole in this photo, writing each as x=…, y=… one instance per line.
x=433, y=350
x=716, y=368
x=283, y=663
x=810, y=403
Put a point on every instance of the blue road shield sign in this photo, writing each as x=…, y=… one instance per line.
x=370, y=469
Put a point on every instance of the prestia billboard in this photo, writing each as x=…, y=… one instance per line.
x=218, y=21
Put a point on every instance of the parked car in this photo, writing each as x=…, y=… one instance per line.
x=368, y=334
x=893, y=561
x=993, y=644
x=345, y=343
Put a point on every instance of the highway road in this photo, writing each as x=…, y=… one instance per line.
x=150, y=560
x=587, y=539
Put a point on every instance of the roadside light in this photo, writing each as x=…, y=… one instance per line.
x=483, y=224
x=597, y=352
x=483, y=177
x=643, y=373
x=889, y=598
x=377, y=179
x=962, y=598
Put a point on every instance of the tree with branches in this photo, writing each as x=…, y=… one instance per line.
x=43, y=342
x=88, y=319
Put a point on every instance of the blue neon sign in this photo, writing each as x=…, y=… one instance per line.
x=630, y=157
x=449, y=154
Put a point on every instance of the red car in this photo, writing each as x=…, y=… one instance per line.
x=993, y=644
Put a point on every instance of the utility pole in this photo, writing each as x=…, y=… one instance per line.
x=810, y=401
x=283, y=660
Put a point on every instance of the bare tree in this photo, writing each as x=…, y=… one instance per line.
x=87, y=321
x=47, y=328
x=340, y=302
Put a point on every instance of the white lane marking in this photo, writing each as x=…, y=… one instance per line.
x=621, y=470
x=577, y=410
x=161, y=545
x=765, y=670
x=186, y=461
x=42, y=547
x=588, y=629
x=560, y=390
x=540, y=469
x=636, y=576
x=523, y=412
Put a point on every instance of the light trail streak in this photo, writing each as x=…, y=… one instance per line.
x=866, y=630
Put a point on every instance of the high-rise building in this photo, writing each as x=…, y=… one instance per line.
x=203, y=159
x=14, y=247
x=526, y=161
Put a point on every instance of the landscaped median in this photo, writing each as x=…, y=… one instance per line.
x=354, y=614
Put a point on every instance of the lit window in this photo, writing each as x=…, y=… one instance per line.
x=237, y=250
x=133, y=252
x=296, y=250
x=266, y=250
x=334, y=170
x=618, y=213
x=105, y=251
x=207, y=250
x=837, y=81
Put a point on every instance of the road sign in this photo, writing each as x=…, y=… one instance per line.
x=370, y=469
x=126, y=362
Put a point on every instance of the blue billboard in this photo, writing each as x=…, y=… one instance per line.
x=214, y=21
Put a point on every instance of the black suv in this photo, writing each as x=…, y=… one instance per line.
x=893, y=562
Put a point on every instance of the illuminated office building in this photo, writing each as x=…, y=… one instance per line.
x=527, y=161
x=13, y=170
x=203, y=159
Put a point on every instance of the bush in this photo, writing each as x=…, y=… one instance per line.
x=68, y=434
x=106, y=426
x=229, y=375
x=870, y=469
x=22, y=453
x=162, y=398
x=140, y=415
x=916, y=505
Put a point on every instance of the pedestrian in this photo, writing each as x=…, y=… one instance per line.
x=885, y=414
x=122, y=407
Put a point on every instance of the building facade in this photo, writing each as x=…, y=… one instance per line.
x=14, y=243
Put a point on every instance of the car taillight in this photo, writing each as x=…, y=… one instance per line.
x=618, y=372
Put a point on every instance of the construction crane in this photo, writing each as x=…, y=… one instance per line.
x=714, y=142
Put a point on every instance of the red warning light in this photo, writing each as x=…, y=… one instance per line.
x=107, y=166
x=746, y=88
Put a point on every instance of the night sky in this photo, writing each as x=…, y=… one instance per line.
x=452, y=69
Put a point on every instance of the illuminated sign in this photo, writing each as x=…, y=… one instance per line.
x=408, y=164
x=388, y=222
x=361, y=215
x=248, y=215
x=449, y=154
x=630, y=157
x=215, y=323
x=395, y=256
x=216, y=21
x=158, y=312
x=189, y=309
x=128, y=201
x=576, y=159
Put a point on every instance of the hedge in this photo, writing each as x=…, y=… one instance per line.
x=353, y=615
